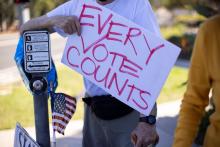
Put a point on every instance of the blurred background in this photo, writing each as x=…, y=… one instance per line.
x=178, y=19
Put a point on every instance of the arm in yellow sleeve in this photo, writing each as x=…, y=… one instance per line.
x=196, y=96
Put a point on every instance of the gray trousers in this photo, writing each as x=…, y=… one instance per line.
x=110, y=133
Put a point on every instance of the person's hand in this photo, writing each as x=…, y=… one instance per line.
x=144, y=134
x=69, y=24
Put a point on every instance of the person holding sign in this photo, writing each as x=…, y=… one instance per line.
x=204, y=75
x=108, y=122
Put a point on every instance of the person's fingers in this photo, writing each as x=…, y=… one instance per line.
x=63, y=26
x=71, y=28
x=71, y=24
x=67, y=29
x=77, y=25
x=148, y=142
x=133, y=138
x=157, y=140
x=139, y=143
x=143, y=142
x=151, y=141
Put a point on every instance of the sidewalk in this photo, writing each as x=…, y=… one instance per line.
x=166, y=123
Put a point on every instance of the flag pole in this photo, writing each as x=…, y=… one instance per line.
x=53, y=141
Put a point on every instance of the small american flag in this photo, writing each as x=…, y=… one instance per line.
x=63, y=108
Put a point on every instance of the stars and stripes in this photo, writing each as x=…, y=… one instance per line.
x=63, y=107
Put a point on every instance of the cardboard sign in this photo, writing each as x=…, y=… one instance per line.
x=22, y=138
x=37, y=51
x=119, y=56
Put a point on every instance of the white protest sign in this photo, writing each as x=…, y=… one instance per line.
x=22, y=138
x=119, y=56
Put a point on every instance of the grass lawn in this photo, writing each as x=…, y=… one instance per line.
x=18, y=106
x=176, y=30
x=175, y=85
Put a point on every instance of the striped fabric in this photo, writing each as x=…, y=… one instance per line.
x=63, y=108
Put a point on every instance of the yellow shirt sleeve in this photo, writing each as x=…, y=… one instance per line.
x=196, y=96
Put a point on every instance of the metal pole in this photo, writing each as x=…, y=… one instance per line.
x=23, y=11
x=39, y=86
